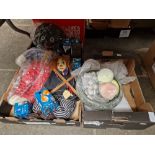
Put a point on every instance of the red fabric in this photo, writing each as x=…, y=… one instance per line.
x=32, y=80
x=72, y=27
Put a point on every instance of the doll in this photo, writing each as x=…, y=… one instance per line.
x=60, y=78
x=61, y=85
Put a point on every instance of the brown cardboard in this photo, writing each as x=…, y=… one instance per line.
x=122, y=120
x=142, y=117
x=109, y=23
x=138, y=119
x=148, y=60
x=119, y=23
x=6, y=111
x=100, y=24
x=142, y=23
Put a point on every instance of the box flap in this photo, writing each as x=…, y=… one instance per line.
x=131, y=117
x=97, y=115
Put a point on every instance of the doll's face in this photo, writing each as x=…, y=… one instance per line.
x=61, y=64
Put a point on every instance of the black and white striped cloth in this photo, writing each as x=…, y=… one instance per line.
x=66, y=107
x=37, y=110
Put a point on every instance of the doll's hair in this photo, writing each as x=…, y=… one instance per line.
x=66, y=58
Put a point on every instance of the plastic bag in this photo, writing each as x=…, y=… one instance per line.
x=34, y=72
x=120, y=71
x=22, y=110
x=118, y=67
x=95, y=101
x=30, y=55
x=89, y=65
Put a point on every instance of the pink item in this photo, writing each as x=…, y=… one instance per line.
x=32, y=80
x=108, y=90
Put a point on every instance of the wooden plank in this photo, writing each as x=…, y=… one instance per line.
x=65, y=81
x=61, y=85
x=129, y=97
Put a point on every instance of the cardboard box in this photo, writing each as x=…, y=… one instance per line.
x=142, y=116
x=148, y=61
x=142, y=23
x=109, y=23
x=6, y=109
x=73, y=28
x=119, y=23
x=111, y=27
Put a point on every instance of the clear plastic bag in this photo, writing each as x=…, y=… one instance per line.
x=89, y=65
x=120, y=71
x=95, y=101
x=30, y=55
x=118, y=67
x=33, y=73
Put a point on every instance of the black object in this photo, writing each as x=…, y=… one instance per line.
x=94, y=33
x=49, y=37
x=5, y=109
x=115, y=55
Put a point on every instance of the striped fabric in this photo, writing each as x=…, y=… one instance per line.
x=66, y=106
x=65, y=109
x=37, y=110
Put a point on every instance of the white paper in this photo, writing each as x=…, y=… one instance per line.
x=151, y=116
x=123, y=106
x=124, y=33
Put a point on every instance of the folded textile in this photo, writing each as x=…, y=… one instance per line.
x=66, y=107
